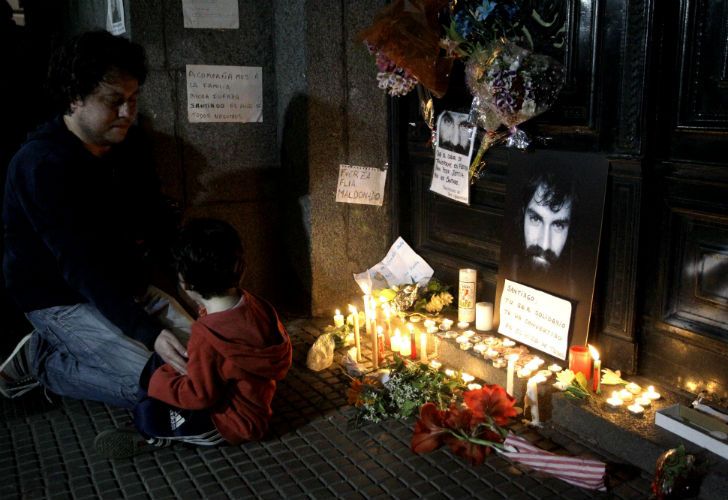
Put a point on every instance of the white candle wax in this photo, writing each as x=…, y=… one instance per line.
x=357, y=340
x=466, y=295
x=463, y=325
x=428, y=323
x=467, y=378
x=474, y=387
x=555, y=368
x=480, y=348
x=484, y=316
x=508, y=343
x=532, y=395
x=643, y=401
x=633, y=388
x=423, y=347
x=338, y=319
x=446, y=324
x=510, y=372
x=436, y=365
x=449, y=372
x=405, y=344
x=626, y=396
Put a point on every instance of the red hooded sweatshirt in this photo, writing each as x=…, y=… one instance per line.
x=235, y=358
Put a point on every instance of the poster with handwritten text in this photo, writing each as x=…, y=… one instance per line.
x=224, y=93
x=536, y=318
x=361, y=185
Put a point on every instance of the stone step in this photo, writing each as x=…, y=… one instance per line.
x=634, y=440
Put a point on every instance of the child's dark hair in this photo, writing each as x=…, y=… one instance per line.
x=88, y=59
x=209, y=257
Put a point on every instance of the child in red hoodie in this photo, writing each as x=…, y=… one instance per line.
x=237, y=351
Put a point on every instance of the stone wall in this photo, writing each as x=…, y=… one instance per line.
x=276, y=180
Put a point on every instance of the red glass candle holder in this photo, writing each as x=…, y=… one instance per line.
x=580, y=360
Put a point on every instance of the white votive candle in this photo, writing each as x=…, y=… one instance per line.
x=626, y=396
x=484, y=316
x=643, y=401
x=467, y=378
x=651, y=393
x=449, y=372
x=636, y=410
x=480, y=348
x=633, y=388
x=474, y=386
x=428, y=323
x=395, y=342
x=446, y=324
x=614, y=400
x=338, y=319
x=435, y=365
x=555, y=368
x=508, y=343
x=463, y=325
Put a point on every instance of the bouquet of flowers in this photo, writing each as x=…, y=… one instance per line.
x=432, y=298
x=401, y=391
x=470, y=430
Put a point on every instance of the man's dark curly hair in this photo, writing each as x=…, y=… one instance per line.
x=88, y=59
x=209, y=257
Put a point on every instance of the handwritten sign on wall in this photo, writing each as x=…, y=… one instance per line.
x=450, y=175
x=536, y=318
x=361, y=185
x=224, y=93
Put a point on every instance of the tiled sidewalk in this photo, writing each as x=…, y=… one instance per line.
x=47, y=452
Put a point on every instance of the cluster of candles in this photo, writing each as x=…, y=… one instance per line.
x=633, y=393
x=585, y=360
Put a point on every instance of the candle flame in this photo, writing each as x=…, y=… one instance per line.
x=410, y=327
x=337, y=312
x=594, y=353
x=352, y=309
x=380, y=329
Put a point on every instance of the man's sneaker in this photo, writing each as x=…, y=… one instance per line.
x=125, y=443
x=15, y=375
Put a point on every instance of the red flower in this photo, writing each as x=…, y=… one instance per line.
x=472, y=452
x=429, y=431
x=354, y=392
x=491, y=401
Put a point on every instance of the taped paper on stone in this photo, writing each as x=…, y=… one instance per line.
x=361, y=185
x=211, y=14
x=224, y=93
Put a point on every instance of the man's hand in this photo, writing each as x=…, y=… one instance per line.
x=172, y=351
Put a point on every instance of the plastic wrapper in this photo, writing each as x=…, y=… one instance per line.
x=510, y=85
x=407, y=34
x=321, y=354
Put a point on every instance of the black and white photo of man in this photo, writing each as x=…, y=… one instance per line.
x=549, y=205
x=454, y=133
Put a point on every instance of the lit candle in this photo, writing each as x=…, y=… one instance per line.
x=405, y=345
x=463, y=325
x=579, y=360
x=499, y=363
x=466, y=295
x=636, y=410
x=423, y=347
x=461, y=339
x=338, y=319
x=524, y=373
x=467, y=378
x=446, y=324
x=510, y=372
x=357, y=341
x=474, y=387
x=597, y=370
x=532, y=396
x=428, y=323
x=449, y=372
x=643, y=401
x=546, y=374
x=396, y=341
x=376, y=346
x=508, y=343
x=465, y=346
x=626, y=396
x=555, y=368
x=614, y=401
x=388, y=318
x=413, y=341
x=480, y=348
x=633, y=388
x=435, y=365
x=484, y=316
x=651, y=393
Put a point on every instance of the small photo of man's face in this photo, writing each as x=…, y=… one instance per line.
x=545, y=229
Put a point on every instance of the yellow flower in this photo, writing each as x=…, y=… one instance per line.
x=565, y=377
x=610, y=377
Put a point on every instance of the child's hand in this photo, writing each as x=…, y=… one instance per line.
x=172, y=351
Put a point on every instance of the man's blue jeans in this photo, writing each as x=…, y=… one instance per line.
x=80, y=354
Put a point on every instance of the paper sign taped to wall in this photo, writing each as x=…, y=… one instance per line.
x=536, y=318
x=212, y=14
x=361, y=185
x=224, y=93
x=401, y=266
x=115, y=17
x=450, y=174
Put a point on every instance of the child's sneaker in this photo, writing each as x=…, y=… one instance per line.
x=15, y=376
x=125, y=443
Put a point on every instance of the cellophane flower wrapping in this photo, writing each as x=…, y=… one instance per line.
x=405, y=39
x=511, y=85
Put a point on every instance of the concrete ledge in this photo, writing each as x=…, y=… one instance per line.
x=637, y=441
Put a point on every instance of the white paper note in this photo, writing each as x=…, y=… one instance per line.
x=115, y=17
x=361, y=185
x=211, y=14
x=224, y=93
x=536, y=318
x=450, y=174
x=401, y=266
